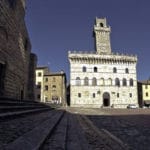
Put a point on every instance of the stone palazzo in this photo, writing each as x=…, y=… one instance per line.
x=102, y=78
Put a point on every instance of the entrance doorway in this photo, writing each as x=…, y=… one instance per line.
x=2, y=77
x=106, y=99
x=21, y=95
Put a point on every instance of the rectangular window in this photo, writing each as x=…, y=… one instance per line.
x=130, y=94
x=46, y=87
x=46, y=79
x=118, y=95
x=146, y=87
x=39, y=85
x=39, y=74
x=79, y=94
x=146, y=94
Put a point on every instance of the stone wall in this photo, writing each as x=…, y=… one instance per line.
x=31, y=81
x=15, y=49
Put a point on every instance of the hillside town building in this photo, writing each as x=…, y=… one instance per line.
x=144, y=93
x=51, y=86
x=17, y=63
x=102, y=78
x=40, y=72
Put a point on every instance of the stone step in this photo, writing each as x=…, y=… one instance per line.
x=35, y=138
x=22, y=112
x=4, y=109
x=20, y=103
x=16, y=100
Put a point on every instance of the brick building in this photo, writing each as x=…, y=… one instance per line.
x=15, y=52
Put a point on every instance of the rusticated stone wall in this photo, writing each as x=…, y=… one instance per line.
x=15, y=49
x=32, y=76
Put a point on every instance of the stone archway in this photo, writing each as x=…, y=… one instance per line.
x=106, y=99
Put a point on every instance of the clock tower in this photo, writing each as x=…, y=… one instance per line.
x=102, y=36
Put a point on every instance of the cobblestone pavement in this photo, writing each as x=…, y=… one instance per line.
x=132, y=126
x=76, y=132
x=66, y=136
x=82, y=129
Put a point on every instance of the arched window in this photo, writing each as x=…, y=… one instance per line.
x=54, y=79
x=53, y=86
x=131, y=82
x=114, y=70
x=93, y=95
x=118, y=95
x=102, y=81
x=117, y=82
x=84, y=69
x=78, y=81
x=130, y=94
x=86, y=81
x=101, y=24
x=124, y=82
x=79, y=94
x=95, y=69
x=26, y=43
x=109, y=81
x=94, y=81
x=126, y=70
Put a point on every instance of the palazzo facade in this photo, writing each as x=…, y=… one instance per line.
x=102, y=78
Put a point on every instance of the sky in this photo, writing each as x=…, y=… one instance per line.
x=58, y=26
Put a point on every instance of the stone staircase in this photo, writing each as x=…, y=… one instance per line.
x=12, y=107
